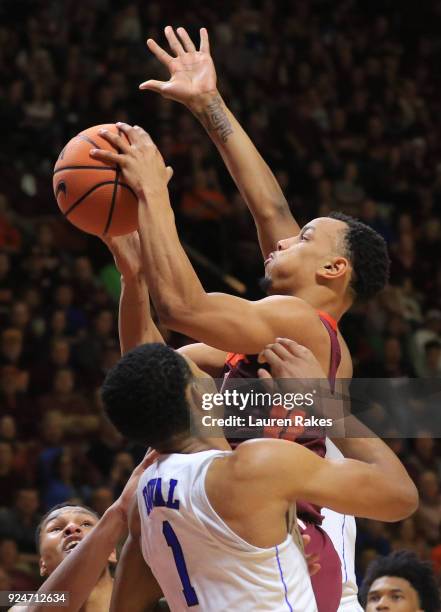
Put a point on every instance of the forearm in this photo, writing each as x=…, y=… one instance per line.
x=80, y=570
x=370, y=449
x=173, y=284
x=135, y=321
x=252, y=175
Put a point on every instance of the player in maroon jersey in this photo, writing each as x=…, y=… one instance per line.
x=312, y=275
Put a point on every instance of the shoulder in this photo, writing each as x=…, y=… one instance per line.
x=288, y=310
x=259, y=458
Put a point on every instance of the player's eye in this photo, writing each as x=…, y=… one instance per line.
x=373, y=598
x=54, y=528
x=87, y=524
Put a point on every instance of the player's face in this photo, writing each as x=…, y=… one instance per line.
x=61, y=532
x=298, y=260
x=390, y=594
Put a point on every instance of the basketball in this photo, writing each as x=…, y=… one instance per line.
x=92, y=195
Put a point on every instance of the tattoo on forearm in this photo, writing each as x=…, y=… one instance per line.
x=215, y=119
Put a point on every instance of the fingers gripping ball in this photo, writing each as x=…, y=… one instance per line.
x=90, y=194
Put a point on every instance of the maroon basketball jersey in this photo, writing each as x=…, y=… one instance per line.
x=246, y=366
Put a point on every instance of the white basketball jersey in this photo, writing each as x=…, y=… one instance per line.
x=342, y=530
x=198, y=561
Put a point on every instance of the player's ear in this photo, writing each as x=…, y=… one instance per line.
x=333, y=268
x=43, y=567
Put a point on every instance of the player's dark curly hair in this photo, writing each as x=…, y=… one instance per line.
x=405, y=564
x=367, y=252
x=144, y=394
x=61, y=506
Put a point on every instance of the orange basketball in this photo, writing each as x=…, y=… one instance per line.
x=91, y=195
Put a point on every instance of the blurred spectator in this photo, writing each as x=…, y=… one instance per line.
x=8, y=477
x=429, y=511
x=431, y=330
x=123, y=464
x=432, y=359
x=65, y=398
x=58, y=485
x=12, y=348
x=43, y=374
x=21, y=579
x=20, y=522
x=101, y=499
x=408, y=538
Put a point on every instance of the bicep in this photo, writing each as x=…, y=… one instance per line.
x=230, y=323
x=135, y=587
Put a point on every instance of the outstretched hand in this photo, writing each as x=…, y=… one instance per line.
x=141, y=162
x=125, y=500
x=192, y=72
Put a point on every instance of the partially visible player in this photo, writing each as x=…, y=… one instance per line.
x=212, y=522
x=76, y=547
x=400, y=582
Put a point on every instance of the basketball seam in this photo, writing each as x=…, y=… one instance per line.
x=85, y=195
x=113, y=202
x=84, y=168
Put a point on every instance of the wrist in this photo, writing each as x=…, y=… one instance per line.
x=153, y=197
x=198, y=104
x=117, y=515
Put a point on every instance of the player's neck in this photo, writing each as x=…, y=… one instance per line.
x=100, y=597
x=325, y=300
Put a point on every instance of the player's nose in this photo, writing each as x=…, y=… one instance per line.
x=71, y=528
x=382, y=605
x=284, y=244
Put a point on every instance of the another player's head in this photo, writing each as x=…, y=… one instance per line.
x=148, y=396
x=400, y=582
x=337, y=253
x=59, y=531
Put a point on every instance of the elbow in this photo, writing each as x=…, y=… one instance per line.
x=410, y=500
x=271, y=210
x=171, y=313
x=404, y=502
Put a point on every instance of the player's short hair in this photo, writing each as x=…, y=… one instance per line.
x=406, y=565
x=367, y=252
x=61, y=506
x=144, y=394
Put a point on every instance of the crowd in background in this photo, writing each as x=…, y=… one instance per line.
x=342, y=99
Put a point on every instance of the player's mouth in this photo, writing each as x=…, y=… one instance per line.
x=71, y=543
x=269, y=258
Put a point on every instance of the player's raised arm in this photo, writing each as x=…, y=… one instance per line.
x=135, y=588
x=223, y=321
x=193, y=83
x=135, y=322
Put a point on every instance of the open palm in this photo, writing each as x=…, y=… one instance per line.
x=192, y=72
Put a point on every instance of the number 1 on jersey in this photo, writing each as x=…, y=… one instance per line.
x=173, y=542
